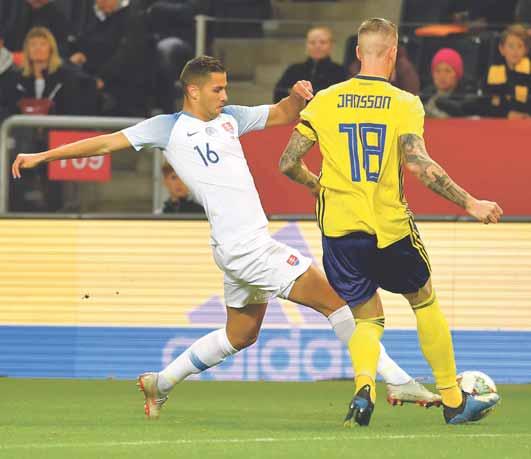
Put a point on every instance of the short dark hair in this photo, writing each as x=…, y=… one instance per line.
x=199, y=68
x=167, y=169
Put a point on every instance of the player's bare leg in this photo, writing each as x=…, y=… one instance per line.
x=243, y=324
x=242, y=329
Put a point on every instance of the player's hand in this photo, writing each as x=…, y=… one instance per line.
x=316, y=190
x=25, y=161
x=303, y=89
x=485, y=211
x=78, y=58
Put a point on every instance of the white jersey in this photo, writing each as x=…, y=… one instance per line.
x=208, y=157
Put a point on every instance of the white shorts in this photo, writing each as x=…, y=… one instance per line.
x=258, y=270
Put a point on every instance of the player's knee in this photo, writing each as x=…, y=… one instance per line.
x=242, y=341
x=423, y=294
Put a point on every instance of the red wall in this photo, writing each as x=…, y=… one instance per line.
x=489, y=158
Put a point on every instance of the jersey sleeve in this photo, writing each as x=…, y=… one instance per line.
x=308, y=119
x=248, y=118
x=412, y=118
x=151, y=133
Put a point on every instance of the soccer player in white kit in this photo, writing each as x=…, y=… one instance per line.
x=202, y=144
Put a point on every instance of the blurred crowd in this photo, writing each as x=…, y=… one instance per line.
x=463, y=58
x=93, y=57
x=123, y=58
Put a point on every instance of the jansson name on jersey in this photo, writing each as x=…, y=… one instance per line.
x=365, y=101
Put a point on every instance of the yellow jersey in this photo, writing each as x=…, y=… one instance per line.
x=357, y=124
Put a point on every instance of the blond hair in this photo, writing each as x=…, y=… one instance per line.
x=323, y=28
x=378, y=26
x=54, y=61
x=517, y=30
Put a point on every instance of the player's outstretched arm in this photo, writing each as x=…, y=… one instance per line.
x=287, y=110
x=95, y=146
x=292, y=165
x=416, y=159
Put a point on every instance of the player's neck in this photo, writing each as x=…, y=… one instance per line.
x=374, y=70
x=195, y=112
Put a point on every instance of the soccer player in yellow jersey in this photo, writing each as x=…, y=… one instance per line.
x=368, y=131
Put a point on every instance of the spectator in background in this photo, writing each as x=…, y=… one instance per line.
x=404, y=76
x=318, y=68
x=37, y=13
x=8, y=76
x=509, y=83
x=443, y=98
x=113, y=48
x=46, y=85
x=180, y=200
x=172, y=26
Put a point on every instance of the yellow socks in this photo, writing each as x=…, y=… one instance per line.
x=436, y=344
x=364, y=347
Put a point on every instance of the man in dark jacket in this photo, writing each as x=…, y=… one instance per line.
x=113, y=48
x=37, y=13
x=318, y=68
x=8, y=77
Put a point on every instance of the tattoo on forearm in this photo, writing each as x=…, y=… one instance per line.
x=291, y=163
x=416, y=158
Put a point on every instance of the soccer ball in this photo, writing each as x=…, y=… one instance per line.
x=481, y=387
x=476, y=383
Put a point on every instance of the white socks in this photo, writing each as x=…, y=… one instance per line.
x=389, y=370
x=342, y=321
x=215, y=347
x=343, y=324
x=206, y=352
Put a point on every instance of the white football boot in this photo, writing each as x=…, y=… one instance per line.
x=412, y=392
x=153, y=399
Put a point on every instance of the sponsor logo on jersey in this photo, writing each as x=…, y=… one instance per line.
x=293, y=260
x=190, y=134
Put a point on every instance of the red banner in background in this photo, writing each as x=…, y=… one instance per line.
x=489, y=158
x=93, y=169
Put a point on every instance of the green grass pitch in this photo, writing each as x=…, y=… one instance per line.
x=105, y=419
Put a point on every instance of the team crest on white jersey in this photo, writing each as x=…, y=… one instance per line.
x=212, y=132
x=293, y=260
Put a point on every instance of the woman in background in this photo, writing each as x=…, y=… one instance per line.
x=46, y=85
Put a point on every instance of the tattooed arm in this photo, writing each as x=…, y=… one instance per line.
x=292, y=165
x=416, y=159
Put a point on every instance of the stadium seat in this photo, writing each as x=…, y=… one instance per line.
x=240, y=9
x=423, y=12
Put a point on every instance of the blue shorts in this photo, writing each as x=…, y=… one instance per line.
x=355, y=267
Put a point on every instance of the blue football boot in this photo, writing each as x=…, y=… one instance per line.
x=360, y=408
x=473, y=408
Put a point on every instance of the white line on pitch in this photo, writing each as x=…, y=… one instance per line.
x=198, y=441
